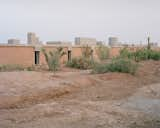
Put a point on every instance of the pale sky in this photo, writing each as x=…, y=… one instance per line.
x=130, y=20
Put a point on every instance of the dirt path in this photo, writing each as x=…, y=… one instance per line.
x=79, y=99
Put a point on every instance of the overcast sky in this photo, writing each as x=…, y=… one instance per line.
x=130, y=20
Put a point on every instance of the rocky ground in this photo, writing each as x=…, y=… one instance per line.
x=74, y=98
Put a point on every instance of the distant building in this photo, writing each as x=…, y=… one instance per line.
x=100, y=43
x=13, y=41
x=85, y=41
x=154, y=44
x=113, y=41
x=32, y=38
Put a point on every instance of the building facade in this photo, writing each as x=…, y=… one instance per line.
x=85, y=41
x=31, y=53
x=14, y=41
x=28, y=55
x=113, y=41
x=32, y=39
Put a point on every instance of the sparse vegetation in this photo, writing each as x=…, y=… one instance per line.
x=117, y=65
x=140, y=55
x=125, y=53
x=153, y=123
x=86, y=61
x=103, y=52
x=81, y=63
x=10, y=67
x=87, y=52
x=15, y=67
x=53, y=58
x=31, y=68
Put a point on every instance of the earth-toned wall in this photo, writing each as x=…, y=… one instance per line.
x=17, y=55
x=25, y=55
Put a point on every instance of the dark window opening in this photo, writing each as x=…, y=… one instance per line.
x=37, y=57
x=69, y=55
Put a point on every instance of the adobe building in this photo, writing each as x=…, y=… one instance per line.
x=31, y=54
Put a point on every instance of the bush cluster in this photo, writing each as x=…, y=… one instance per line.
x=117, y=65
x=102, y=52
x=81, y=63
x=140, y=55
x=86, y=61
x=125, y=53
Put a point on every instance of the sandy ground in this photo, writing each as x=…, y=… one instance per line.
x=79, y=99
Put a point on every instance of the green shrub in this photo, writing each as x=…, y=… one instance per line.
x=81, y=63
x=122, y=65
x=140, y=55
x=103, y=52
x=125, y=53
x=146, y=54
x=86, y=61
x=117, y=65
x=154, y=55
x=100, y=68
x=30, y=68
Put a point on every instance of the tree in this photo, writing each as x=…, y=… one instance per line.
x=87, y=52
x=53, y=58
x=149, y=45
x=103, y=52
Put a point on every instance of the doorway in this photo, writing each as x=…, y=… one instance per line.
x=69, y=55
x=37, y=53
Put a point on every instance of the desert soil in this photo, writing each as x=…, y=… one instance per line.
x=79, y=99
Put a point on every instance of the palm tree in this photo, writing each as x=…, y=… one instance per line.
x=149, y=45
x=87, y=52
x=53, y=58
